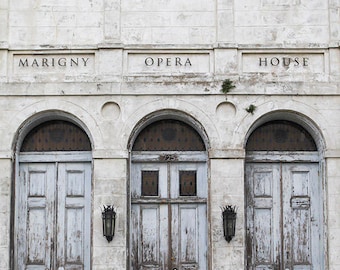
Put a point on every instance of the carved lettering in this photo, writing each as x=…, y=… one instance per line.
x=167, y=61
x=35, y=63
x=149, y=61
x=48, y=62
x=292, y=62
x=305, y=61
x=286, y=61
x=283, y=61
x=159, y=61
x=74, y=62
x=62, y=62
x=44, y=62
x=23, y=63
x=187, y=62
x=274, y=61
x=263, y=61
x=85, y=61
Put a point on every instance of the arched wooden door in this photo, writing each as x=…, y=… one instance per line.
x=168, y=222
x=53, y=199
x=284, y=213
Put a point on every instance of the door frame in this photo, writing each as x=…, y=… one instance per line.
x=167, y=114
x=289, y=156
x=182, y=158
x=71, y=156
x=286, y=157
x=48, y=157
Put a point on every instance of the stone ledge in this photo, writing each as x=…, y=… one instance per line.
x=118, y=45
x=110, y=154
x=227, y=154
x=332, y=153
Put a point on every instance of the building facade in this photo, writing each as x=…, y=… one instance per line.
x=169, y=110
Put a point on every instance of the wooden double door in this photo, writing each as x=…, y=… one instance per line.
x=53, y=216
x=284, y=216
x=168, y=216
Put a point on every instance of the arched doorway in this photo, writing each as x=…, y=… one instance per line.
x=169, y=191
x=52, y=222
x=284, y=209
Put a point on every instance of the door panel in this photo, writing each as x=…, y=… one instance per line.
x=159, y=175
x=53, y=206
x=189, y=236
x=301, y=206
x=150, y=236
x=36, y=207
x=73, y=212
x=284, y=216
x=150, y=240
x=263, y=233
x=168, y=229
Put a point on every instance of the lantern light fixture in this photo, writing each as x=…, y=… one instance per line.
x=229, y=222
x=109, y=221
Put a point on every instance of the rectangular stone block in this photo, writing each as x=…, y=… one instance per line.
x=3, y=25
x=67, y=64
x=334, y=255
x=280, y=17
x=158, y=19
x=31, y=35
x=290, y=62
x=228, y=168
x=226, y=61
x=225, y=4
x=136, y=36
x=5, y=204
x=174, y=5
x=3, y=66
x=112, y=25
x=93, y=5
x=332, y=168
x=107, y=62
x=109, y=186
x=109, y=256
x=166, y=34
x=168, y=62
x=4, y=255
x=109, y=168
x=88, y=35
x=65, y=19
x=282, y=34
x=225, y=26
x=288, y=4
x=247, y=5
x=4, y=239
x=89, y=19
x=201, y=35
x=108, y=5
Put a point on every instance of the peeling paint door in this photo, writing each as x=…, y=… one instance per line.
x=169, y=216
x=284, y=216
x=53, y=208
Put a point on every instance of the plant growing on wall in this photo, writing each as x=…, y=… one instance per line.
x=251, y=109
x=227, y=85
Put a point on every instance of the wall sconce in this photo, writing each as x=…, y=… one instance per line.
x=109, y=222
x=229, y=222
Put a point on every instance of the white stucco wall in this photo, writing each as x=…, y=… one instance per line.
x=112, y=93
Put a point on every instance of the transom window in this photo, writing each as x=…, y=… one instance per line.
x=169, y=135
x=280, y=135
x=56, y=135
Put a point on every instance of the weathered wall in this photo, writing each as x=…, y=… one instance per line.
x=109, y=63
